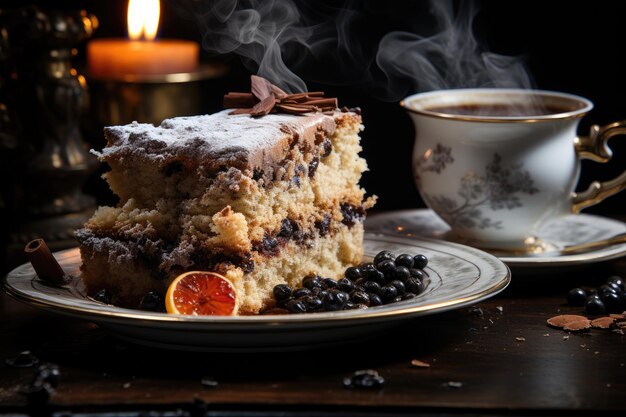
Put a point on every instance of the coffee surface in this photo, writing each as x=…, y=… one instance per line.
x=499, y=110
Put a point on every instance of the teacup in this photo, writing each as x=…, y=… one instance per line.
x=498, y=164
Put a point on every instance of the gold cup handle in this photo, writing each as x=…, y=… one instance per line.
x=595, y=147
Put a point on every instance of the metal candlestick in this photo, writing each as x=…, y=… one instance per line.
x=46, y=162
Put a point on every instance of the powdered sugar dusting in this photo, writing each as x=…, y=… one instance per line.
x=219, y=136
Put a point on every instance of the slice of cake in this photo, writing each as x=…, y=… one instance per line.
x=263, y=201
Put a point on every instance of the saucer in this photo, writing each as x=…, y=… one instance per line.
x=569, y=230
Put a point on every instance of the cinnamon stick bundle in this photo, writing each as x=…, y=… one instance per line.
x=266, y=98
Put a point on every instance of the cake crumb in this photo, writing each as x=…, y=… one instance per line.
x=452, y=384
x=419, y=364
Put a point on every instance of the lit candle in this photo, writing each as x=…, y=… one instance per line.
x=141, y=54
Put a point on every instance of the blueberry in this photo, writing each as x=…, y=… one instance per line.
x=366, y=379
x=375, y=300
x=360, y=282
x=353, y=306
x=400, y=287
x=402, y=273
x=311, y=303
x=344, y=284
x=594, y=306
x=420, y=261
x=576, y=297
x=417, y=273
x=311, y=282
x=316, y=290
x=387, y=267
x=302, y=292
x=342, y=296
x=414, y=285
x=604, y=289
x=102, y=296
x=396, y=300
x=349, y=306
x=405, y=260
x=332, y=301
x=383, y=256
x=617, y=280
x=48, y=373
x=353, y=273
x=367, y=269
x=615, y=286
x=612, y=302
x=282, y=292
x=371, y=273
x=388, y=293
x=408, y=296
x=360, y=297
x=377, y=276
x=152, y=301
x=372, y=287
x=329, y=283
x=295, y=306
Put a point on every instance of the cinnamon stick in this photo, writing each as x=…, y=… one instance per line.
x=238, y=100
x=323, y=102
x=46, y=266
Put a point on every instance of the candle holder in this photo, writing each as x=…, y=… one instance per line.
x=43, y=159
x=152, y=98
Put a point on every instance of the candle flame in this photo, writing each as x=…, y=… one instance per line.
x=143, y=19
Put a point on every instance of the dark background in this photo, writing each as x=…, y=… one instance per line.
x=568, y=46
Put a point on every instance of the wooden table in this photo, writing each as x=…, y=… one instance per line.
x=503, y=362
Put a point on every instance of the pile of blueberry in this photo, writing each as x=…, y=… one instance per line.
x=387, y=279
x=608, y=298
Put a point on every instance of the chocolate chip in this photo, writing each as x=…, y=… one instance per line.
x=257, y=174
x=351, y=214
x=313, y=166
x=173, y=168
x=268, y=246
x=323, y=226
x=286, y=229
x=327, y=148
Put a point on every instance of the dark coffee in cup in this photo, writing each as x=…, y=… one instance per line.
x=500, y=110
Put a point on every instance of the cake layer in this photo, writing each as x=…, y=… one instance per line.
x=206, y=146
x=128, y=270
x=315, y=184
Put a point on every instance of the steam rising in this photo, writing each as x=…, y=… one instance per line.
x=259, y=31
x=452, y=58
x=276, y=37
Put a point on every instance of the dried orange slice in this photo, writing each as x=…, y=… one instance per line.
x=201, y=293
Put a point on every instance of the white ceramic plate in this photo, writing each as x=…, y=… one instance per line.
x=570, y=230
x=458, y=276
